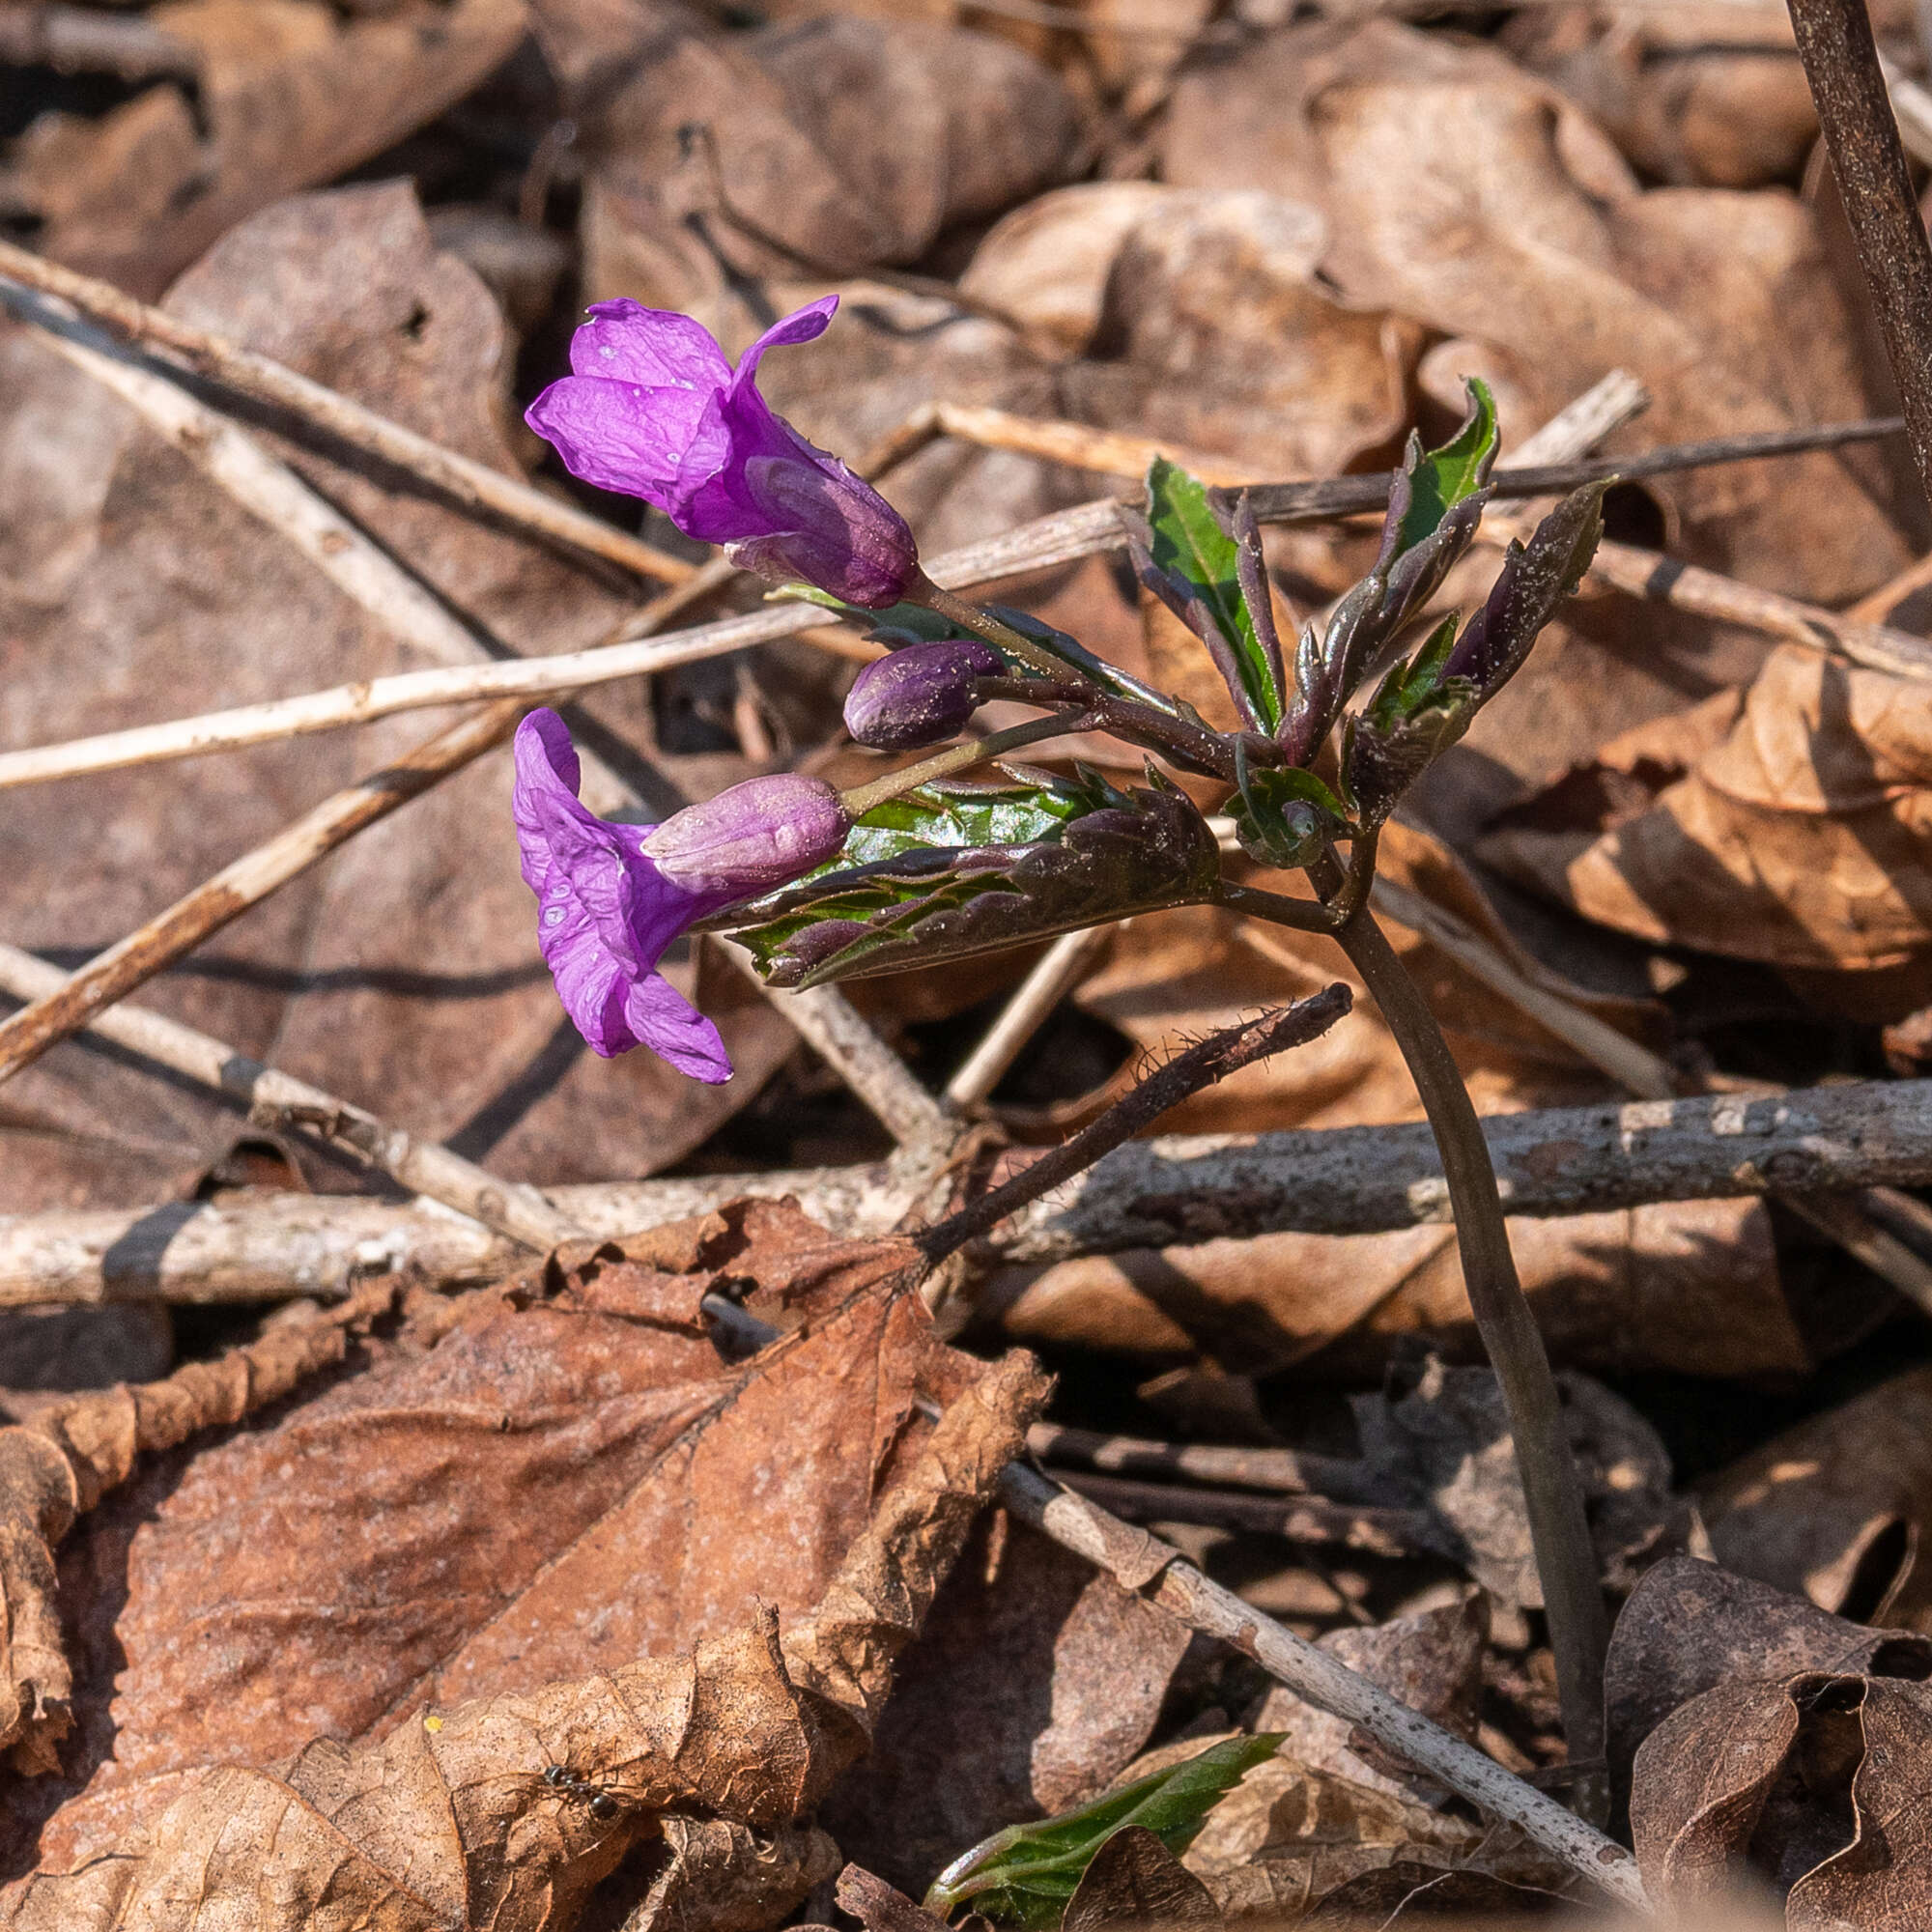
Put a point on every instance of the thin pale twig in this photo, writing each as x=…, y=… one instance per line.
x=473, y=485
x=1063, y=537
x=1160, y=1575
x=509, y=1207
x=1058, y=970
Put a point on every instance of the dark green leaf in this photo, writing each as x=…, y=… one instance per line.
x=1025, y=1874
x=1194, y=565
x=1444, y=477
x=928, y=903
x=1284, y=817
x=1018, y=811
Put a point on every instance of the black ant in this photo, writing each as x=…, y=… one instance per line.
x=604, y=1804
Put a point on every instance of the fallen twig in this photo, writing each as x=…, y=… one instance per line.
x=1282, y=1471
x=511, y=1208
x=1154, y=1570
x=1162, y=1192
x=473, y=485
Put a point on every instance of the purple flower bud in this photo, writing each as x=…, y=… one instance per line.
x=653, y=409
x=612, y=897
x=920, y=695
x=759, y=835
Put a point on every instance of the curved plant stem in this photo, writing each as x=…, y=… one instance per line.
x=1566, y=1562
x=860, y=799
x=984, y=624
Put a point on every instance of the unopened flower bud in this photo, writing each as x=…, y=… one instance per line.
x=918, y=695
x=751, y=838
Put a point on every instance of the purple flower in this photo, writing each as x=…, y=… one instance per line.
x=654, y=410
x=918, y=695
x=611, y=897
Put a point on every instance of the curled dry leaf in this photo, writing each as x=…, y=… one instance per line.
x=1036, y=1681
x=1293, y=1839
x=1463, y=193
x=60, y=1465
x=449, y=1820
x=1694, y=95
x=722, y=1876
x=1785, y=823
x=1839, y=1508
x=405, y=973
x=1134, y=1880
x=1691, y=1628
x=286, y=95
x=1814, y=1786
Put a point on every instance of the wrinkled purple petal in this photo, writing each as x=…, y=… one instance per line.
x=664, y=1020
x=655, y=348
x=801, y=324
x=685, y=431
x=621, y=436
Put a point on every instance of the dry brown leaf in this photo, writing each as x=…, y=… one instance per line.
x=1691, y=1627
x=1048, y=263
x=1034, y=1685
x=543, y=1492
x=287, y=94
x=1216, y=333
x=559, y=1476
x=58, y=1466
x=449, y=1820
x=1291, y=1838
x=1465, y=195
x=1814, y=1785
x=1432, y=1660
x=1694, y=95
x=1443, y=1437
x=851, y=142
x=1786, y=823
x=1134, y=1880
x=1840, y=1507
x=404, y=973
x=723, y=1876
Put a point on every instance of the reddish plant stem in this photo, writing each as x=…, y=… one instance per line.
x=1835, y=42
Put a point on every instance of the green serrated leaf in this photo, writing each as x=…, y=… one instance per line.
x=1443, y=477
x=1025, y=1875
x=1012, y=811
x=1189, y=542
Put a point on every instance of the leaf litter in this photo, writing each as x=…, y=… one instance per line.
x=421, y=1610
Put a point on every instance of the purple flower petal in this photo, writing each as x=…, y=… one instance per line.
x=655, y=348
x=621, y=436
x=801, y=324
x=664, y=1020
x=685, y=431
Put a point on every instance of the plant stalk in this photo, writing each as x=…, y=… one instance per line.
x=1566, y=1560
x=984, y=624
x=860, y=799
x=1841, y=63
